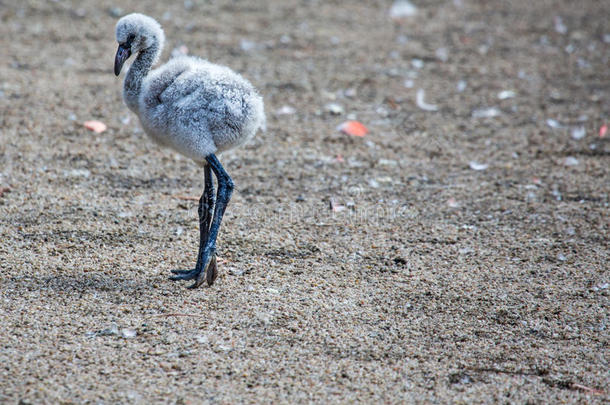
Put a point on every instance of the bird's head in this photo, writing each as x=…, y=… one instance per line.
x=135, y=33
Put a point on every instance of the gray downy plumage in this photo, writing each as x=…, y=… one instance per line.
x=195, y=107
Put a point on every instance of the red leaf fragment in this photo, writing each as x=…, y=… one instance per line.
x=353, y=128
x=96, y=126
x=603, y=130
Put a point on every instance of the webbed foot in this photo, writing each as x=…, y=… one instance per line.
x=207, y=273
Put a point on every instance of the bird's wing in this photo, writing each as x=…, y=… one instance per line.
x=160, y=86
x=202, y=99
x=196, y=94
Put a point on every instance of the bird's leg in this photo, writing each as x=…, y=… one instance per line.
x=204, y=224
x=205, y=211
x=223, y=196
x=225, y=189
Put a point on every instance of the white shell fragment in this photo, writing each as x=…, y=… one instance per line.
x=285, y=110
x=128, y=333
x=503, y=95
x=478, y=166
x=578, y=133
x=421, y=103
x=402, y=8
x=490, y=112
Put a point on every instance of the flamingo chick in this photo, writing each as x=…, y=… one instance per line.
x=195, y=107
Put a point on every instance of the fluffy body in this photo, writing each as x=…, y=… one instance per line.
x=188, y=96
x=193, y=106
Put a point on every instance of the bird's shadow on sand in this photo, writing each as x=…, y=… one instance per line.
x=78, y=284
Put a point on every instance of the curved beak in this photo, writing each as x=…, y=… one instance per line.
x=122, y=54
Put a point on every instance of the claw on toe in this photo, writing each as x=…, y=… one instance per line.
x=208, y=274
x=212, y=272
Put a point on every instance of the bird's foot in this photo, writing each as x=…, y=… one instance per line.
x=209, y=272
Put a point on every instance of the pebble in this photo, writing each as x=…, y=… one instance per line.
x=350, y=93
x=570, y=161
x=334, y=108
x=402, y=9
x=203, y=339
x=247, y=45
x=285, y=110
x=110, y=331
x=417, y=63
x=531, y=196
x=387, y=162
x=478, y=166
x=557, y=194
x=382, y=111
x=442, y=54
x=115, y=12
x=79, y=13
x=489, y=112
x=560, y=27
x=77, y=173
x=465, y=250
x=505, y=94
x=387, y=180
x=128, y=333
x=237, y=272
x=578, y=133
x=402, y=39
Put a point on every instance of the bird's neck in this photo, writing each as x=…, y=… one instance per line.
x=137, y=72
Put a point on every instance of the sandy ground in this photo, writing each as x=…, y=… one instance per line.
x=466, y=260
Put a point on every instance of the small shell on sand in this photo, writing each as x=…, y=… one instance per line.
x=96, y=126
